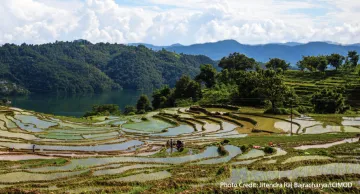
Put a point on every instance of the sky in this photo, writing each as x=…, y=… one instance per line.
x=166, y=22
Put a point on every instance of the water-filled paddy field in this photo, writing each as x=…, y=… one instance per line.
x=134, y=153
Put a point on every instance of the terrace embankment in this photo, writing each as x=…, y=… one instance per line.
x=218, y=143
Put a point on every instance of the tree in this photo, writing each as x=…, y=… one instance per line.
x=219, y=94
x=322, y=63
x=143, y=104
x=207, y=75
x=353, y=58
x=273, y=88
x=248, y=84
x=162, y=98
x=237, y=61
x=335, y=60
x=276, y=63
x=313, y=63
x=185, y=88
x=328, y=101
x=308, y=62
x=301, y=65
x=129, y=109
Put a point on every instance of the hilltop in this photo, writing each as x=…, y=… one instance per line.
x=290, y=52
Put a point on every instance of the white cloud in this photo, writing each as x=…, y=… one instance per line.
x=164, y=22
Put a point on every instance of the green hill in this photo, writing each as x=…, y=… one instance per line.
x=82, y=67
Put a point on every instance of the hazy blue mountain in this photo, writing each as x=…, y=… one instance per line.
x=291, y=43
x=291, y=51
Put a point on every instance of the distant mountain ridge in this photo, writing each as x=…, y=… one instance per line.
x=291, y=52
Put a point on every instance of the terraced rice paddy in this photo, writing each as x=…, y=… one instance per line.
x=305, y=158
x=129, y=153
x=16, y=177
x=152, y=125
x=142, y=177
x=244, y=175
x=251, y=154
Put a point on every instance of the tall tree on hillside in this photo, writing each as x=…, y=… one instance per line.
x=308, y=62
x=322, y=63
x=273, y=88
x=276, y=63
x=207, y=75
x=237, y=61
x=335, y=60
x=353, y=58
x=143, y=104
x=313, y=63
x=248, y=85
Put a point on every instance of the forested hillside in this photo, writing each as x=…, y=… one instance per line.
x=83, y=67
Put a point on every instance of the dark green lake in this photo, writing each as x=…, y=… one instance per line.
x=75, y=105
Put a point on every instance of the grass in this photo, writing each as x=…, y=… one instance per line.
x=62, y=136
x=34, y=163
x=163, y=153
x=254, y=110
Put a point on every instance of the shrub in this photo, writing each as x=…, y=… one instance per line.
x=269, y=150
x=131, y=113
x=4, y=102
x=324, y=153
x=221, y=150
x=329, y=101
x=184, y=102
x=106, y=109
x=222, y=170
x=129, y=109
x=144, y=119
x=226, y=141
x=141, y=112
x=304, y=109
x=244, y=148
